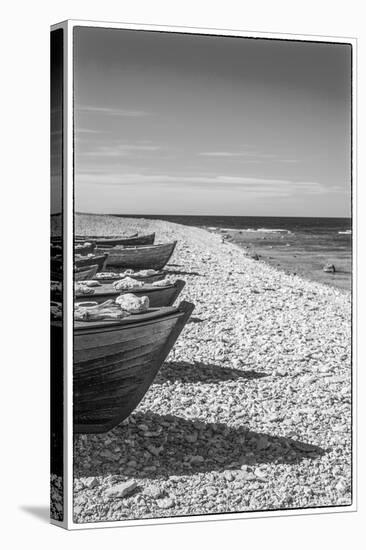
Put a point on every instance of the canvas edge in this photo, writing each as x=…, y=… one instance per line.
x=68, y=25
x=67, y=207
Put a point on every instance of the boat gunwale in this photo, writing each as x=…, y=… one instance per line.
x=100, y=260
x=95, y=257
x=139, y=290
x=107, y=242
x=128, y=321
x=104, y=237
x=83, y=268
x=116, y=250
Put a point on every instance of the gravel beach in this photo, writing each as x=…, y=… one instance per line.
x=252, y=409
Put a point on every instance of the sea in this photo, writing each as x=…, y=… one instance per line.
x=301, y=246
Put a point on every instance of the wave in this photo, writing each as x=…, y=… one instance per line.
x=264, y=230
x=230, y=229
x=249, y=230
x=348, y=232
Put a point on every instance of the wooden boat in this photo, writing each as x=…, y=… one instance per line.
x=158, y=295
x=83, y=248
x=88, y=261
x=137, y=240
x=80, y=264
x=85, y=274
x=115, y=362
x=141, y=257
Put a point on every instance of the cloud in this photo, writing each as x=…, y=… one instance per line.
x=109, y=111
x=120, y=150
x=79, y=130
x=220, y=154
x=246, y=156
x=261, y=186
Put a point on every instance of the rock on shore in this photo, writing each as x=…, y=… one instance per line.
x=251, y=410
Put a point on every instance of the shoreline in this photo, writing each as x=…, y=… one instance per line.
x=289, y=251
x=250, y=249
x=117, y=223
x=272, y=248
x=255, y=394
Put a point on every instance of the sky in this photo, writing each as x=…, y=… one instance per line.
x=56, y=59
x=168, y=123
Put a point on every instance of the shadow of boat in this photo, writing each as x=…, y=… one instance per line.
x=182, y=272
x=156, y=446
x=202, y=372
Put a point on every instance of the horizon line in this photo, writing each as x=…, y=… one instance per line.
x=206, y=215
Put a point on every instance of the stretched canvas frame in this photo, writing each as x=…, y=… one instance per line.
x=68, y=234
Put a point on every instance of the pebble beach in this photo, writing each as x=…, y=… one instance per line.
x=251, y=410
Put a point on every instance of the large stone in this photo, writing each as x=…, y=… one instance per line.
x=154, y=492
x=197, y=459
x=254, y=256
x=121, y=490
x=91, y=482
x=192, y=438
x=165, y=503
x=229, y=476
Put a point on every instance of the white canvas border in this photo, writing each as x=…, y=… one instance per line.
x=68, y=27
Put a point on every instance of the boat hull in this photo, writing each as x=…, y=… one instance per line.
x=143, y=257
x=158, y=296
x=99, y=260
x=83, y=238
x=137, y=240
x=115, y=364
x=80, y=274
x=85, y=274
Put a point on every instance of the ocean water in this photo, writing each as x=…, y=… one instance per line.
x=296, y=245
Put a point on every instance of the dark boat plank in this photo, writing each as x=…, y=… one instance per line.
x=99, y=260
x=97, y=349
x=97, y=353
x=131, y=350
